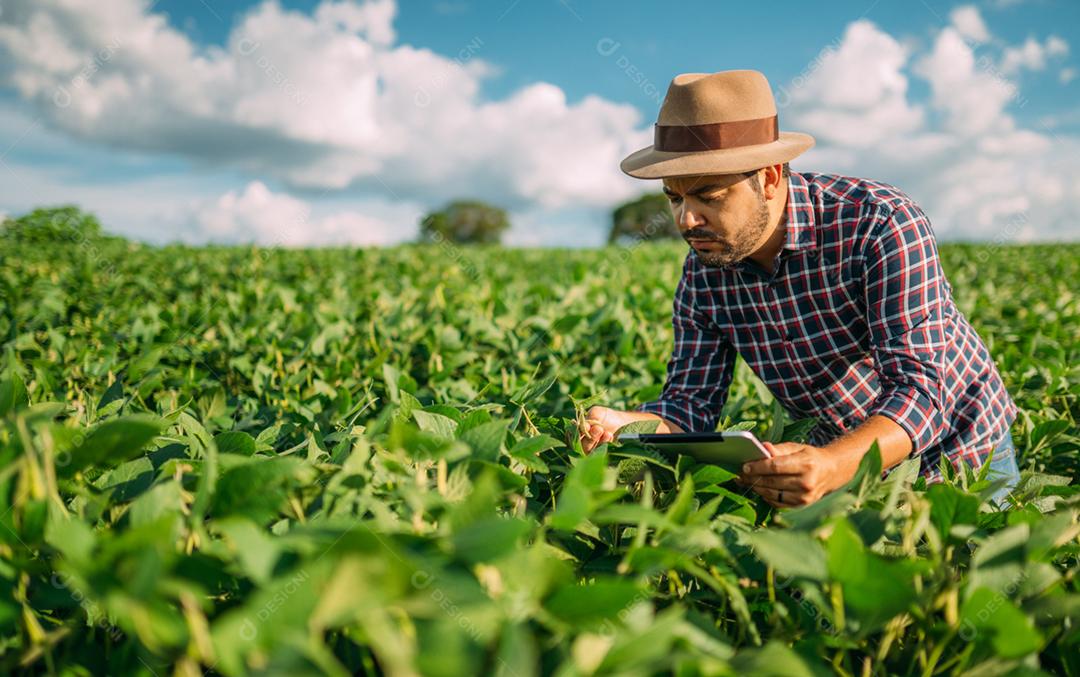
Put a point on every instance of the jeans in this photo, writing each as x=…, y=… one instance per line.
x=1003, y=465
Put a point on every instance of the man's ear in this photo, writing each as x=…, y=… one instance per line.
x=771, y=179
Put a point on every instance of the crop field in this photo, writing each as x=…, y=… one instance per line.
x=260, y=461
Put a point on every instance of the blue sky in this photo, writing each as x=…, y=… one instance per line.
x=330, y=122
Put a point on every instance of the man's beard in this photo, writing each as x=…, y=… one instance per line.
x=724, y=254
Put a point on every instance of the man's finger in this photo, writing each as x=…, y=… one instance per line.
x=779, y=449
x=781, y=465
x=786, y=483
x=779, y=498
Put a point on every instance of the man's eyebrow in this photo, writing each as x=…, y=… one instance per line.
x=697, y=191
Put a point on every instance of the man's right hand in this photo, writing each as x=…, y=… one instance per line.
x=601, y=424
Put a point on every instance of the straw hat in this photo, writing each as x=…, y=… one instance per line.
x=716, y=123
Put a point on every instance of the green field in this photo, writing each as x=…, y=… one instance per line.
x=344, y=461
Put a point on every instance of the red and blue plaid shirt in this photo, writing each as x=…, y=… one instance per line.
x=857, y=319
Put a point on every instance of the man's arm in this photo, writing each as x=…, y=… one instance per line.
x=699, y=373
x=800, y=474
x=905, y=295
x=700, y=369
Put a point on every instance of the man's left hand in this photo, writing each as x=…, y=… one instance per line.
x=797, y=474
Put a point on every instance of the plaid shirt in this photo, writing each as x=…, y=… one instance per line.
x=857, y=319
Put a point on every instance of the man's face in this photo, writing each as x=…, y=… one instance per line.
x=724, y=217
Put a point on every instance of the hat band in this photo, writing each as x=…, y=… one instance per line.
x=715, y=135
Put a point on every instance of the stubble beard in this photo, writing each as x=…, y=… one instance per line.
x=727, y=254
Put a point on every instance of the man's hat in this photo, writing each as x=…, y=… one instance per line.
x=716, y=123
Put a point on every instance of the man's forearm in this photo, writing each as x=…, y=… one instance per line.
x=893, y=442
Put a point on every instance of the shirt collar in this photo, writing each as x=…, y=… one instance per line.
x=801, y=231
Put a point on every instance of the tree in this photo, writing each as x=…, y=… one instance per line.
x=53, y=224
x=646, y=218
x=465, y=222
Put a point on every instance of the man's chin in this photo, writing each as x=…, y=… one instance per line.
x=717, y=259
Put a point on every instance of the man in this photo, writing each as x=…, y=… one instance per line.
x=828, y=286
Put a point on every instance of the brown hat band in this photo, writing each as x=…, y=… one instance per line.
x=715, y=135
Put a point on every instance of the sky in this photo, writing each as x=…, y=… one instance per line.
x=310, y=123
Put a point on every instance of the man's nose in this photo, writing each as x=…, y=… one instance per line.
x=688, y=218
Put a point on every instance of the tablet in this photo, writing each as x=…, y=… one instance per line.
x=729, y=449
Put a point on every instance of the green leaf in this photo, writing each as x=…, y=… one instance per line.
x=683, y=505
x=774, y=659
x=488, y=538
x=648, y=426
x=12, y=394
x=585, y=605
x=257, y=489
x=950, y=506
x=435, y=423
x=235, y=442
x=988, y=615
x=868, y=474
x=486, y=439
x=575, y=501
x=874, y=589
x=526, y=451
x=517, y=654
x=256, y=550
x=534, y=389
x=111, y=443
x=790, y=553
x=150, y=506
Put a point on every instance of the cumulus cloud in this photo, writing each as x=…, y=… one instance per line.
x=857, y=94
x=969, y=22
x=1032, y=54
x=258, y=215
x=325, y=100
x=962, y=155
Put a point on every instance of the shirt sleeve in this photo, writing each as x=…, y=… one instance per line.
x=906, y=302
x=700, y=368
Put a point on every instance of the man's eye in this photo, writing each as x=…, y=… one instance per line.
x=674, y=198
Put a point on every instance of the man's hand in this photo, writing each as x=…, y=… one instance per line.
x=601, y=424
x=797, y=474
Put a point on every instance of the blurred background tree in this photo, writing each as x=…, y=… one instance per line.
x=67, y=223
x=465, y=222
x=646, y=218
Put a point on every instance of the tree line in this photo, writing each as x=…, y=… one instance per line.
x=461, y=222
x=474, y=222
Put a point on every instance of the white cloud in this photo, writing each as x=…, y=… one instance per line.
x=1056, y=46
x=176, y=204
x=976, y=172
x=857, y=94
x=969, y=22
x=262, y=216
x=319, y=101
x=1032, y=54
x=1067, y=75
x=971, y=95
